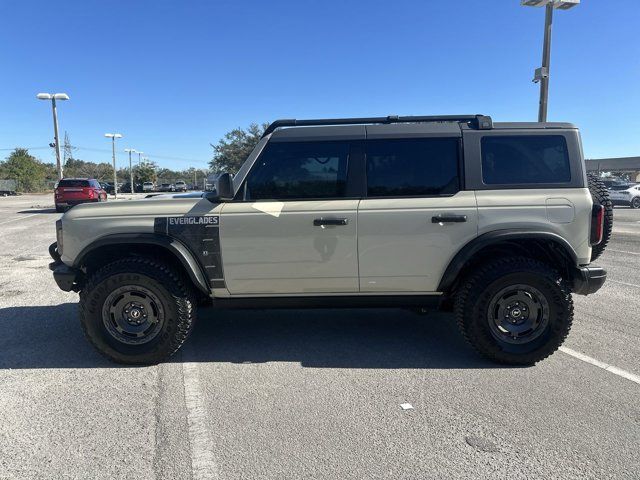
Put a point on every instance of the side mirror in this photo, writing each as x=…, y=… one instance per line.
x=223, y=189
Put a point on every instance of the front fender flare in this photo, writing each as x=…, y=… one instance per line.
x=173, y=245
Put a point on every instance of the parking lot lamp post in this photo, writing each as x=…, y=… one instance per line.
x=53, y=98
x=130, y=151
x=113, y=137
x=542, y=73
x=139, y=157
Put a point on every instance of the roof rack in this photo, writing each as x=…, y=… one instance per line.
x=481, y=122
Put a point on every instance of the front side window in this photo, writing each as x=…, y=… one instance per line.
x=299, y=170
x=535, y=159
x=412, y=167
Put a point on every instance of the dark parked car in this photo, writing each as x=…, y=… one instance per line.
x=126, y=188
x=72, y=191
x=107, y=187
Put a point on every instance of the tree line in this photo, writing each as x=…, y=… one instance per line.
x=34, y=175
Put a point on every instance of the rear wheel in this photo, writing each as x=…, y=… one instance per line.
x=59, y=209
x=635, y=203
x=600, y=196
x=137, y=311
x=516, y=310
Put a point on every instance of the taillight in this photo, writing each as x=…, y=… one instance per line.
x=90, y=192
x=597, y=224
x=57, y=192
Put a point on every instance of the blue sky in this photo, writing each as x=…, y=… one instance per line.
x=174, y=76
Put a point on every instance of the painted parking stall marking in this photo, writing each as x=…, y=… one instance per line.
x=605, y=366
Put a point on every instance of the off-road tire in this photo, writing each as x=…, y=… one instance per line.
x=475, y=295
x=177, y=300
x=600, y=196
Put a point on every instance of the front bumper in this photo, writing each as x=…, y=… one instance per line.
x=588, y=280
x=66, y=277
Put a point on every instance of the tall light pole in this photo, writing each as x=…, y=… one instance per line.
x=130, y=151
x=113, y=137
x=139, y=157
x=53, y=97
x=542, y=73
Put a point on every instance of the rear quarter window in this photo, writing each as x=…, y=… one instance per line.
x=518, y=160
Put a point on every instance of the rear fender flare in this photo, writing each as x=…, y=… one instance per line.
x=466, y=253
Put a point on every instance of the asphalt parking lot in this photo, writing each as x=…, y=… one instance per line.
x=311, y=394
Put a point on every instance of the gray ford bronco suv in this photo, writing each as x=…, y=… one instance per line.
x=498, y=222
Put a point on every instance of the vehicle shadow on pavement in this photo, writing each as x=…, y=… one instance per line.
x=39, y=210
x=51, y=337
x=45, y=337
x=341, y=338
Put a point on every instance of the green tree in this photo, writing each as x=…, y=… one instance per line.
x=145, y=172
x=232, y=150
x=84, y=169
x=28, y=171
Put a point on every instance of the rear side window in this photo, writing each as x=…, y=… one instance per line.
x=299, y=170
x=535, y=159
x=70, y=182
x=412, y=167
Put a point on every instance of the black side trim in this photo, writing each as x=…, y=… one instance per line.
x=467, y=252
x=350, y=301
x=176, y=247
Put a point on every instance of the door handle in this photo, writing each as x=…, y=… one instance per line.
x=448, y=218
x=321, y=222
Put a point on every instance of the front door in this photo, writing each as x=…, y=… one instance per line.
x=415, y=218
x=293, y=231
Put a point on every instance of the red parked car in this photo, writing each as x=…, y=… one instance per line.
x=72, y=191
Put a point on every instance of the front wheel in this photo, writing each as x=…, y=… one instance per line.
x=137, y=311
x=516, y=310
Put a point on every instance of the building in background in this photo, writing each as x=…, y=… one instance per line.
x=625, y=165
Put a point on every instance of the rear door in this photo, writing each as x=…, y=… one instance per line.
x=415, y=217
x=294, y=229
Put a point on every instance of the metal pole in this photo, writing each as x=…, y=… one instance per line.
x=131, y=173
x=115, y=176
x=195, y=179
x=55, y=136
x=139, y=155
x=546, y=61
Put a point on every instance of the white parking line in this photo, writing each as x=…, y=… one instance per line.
x=20, y=218
x=203, y=464
x=622, y=251
x=624, y=283
x=599, y=364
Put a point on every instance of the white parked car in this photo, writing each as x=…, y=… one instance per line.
x=628, y=195
x=180, y=186
x=147, y=187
